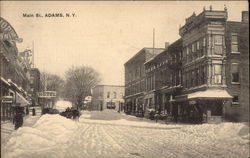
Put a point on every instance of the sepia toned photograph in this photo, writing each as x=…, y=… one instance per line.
x=124, y=79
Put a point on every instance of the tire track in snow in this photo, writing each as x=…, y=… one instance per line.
x=76, y=142
x=126, y=151
x=141, y=145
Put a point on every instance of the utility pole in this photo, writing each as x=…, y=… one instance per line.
x=153, y=41
x=33, y=55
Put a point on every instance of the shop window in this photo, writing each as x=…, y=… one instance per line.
x=234, y=43
x=235, y=73
x=217, y=73
x=235, y=99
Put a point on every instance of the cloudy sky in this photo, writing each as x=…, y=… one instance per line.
x=103, y=35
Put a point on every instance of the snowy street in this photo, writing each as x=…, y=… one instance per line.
x=110, y=134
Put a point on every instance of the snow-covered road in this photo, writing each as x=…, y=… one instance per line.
x=109, y=134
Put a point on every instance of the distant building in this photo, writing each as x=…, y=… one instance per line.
x=108, y=97
x=135, y=81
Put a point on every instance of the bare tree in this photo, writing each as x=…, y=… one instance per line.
x=52, y=82
x=79, y=82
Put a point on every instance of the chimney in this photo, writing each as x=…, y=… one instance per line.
x=166, y=44
x=245, y=16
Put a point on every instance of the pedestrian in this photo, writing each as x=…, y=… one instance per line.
x=33, y=111
x=27, y=110
x=18, y=120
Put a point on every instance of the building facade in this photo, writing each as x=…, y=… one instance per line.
x=15, y=74
x=204, y=62
x=163, y=79
x=135, y=81
x=202, y=76
x=237, y=68
x=107, y=97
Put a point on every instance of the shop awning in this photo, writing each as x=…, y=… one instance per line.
x=21, y=100
x=5, y=82
x=207, y=94
x=210, y=93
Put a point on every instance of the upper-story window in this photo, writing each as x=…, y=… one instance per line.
x=192, y=78
x=187, y=51
x=108, y=94
x=218, y=42
x=198, y=45
x=234, y=43
x=235, y=73
x=115, y=95
x=217, y=73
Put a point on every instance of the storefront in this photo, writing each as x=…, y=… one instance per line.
x=206, y=106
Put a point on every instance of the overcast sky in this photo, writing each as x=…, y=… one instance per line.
x=103, y=35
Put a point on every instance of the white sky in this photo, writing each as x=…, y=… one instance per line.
x=105, y=34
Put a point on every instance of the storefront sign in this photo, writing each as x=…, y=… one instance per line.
x=6, y=31
x=192, y=102
x=7, y=99
x=47, y=94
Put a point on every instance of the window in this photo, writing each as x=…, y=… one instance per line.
x=115, y=95
x=235, y=72
x=203, y=45
x=193, y=47
x=192, y=78
x=204, y=41
x=217, y=73
x=108, y=94
x=197, y=76
x=198, y=45
x=186, y=76
x=203, y=76
x=234, y=43
x=218, y=39
x=235, y=99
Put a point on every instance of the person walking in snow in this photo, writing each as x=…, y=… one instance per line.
x=18, y=120
x=33, y=111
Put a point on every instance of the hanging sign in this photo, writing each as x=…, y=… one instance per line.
x=7, y=32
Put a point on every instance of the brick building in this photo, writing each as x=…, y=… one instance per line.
x=203, y=66
x=135, y=82
x=237, y=68
x=107, y=97
x=163, y=78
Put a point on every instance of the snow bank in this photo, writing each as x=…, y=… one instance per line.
x=114, y=118
x=49, y=135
